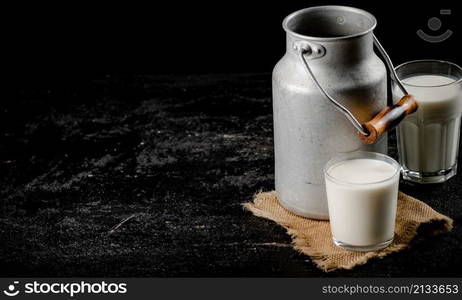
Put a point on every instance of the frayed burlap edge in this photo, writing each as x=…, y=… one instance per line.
x=322, y=260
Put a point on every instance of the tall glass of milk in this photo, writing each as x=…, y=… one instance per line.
x=362, y=194
x=428, y=140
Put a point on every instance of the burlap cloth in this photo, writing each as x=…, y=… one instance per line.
x=313, y=237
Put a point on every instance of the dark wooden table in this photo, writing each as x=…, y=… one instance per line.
x=145, y=176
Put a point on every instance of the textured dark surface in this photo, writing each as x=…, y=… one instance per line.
x=178, y=155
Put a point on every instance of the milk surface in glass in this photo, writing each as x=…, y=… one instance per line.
x=428, y=140
x=362, y=194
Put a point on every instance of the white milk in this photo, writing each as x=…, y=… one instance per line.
x=429, y=138
x=362, y=197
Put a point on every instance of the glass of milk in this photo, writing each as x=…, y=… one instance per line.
x=428, y=140
x=362, y=194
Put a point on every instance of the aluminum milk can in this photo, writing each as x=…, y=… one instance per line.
x=328, y=48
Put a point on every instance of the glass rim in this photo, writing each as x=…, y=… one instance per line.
x=360, y=155
x=443, y=62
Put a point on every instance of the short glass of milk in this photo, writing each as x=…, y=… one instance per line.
x=362, y=195
x=428, y=140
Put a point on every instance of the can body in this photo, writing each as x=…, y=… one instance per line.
x=308, y=130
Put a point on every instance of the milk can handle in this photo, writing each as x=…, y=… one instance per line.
x=315, y=51
x=387, y=118
x=389, y=64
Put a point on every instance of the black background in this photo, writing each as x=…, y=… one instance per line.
x=65, y=41
x=91, y=138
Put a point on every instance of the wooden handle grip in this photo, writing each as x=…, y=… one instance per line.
x=388, y=118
